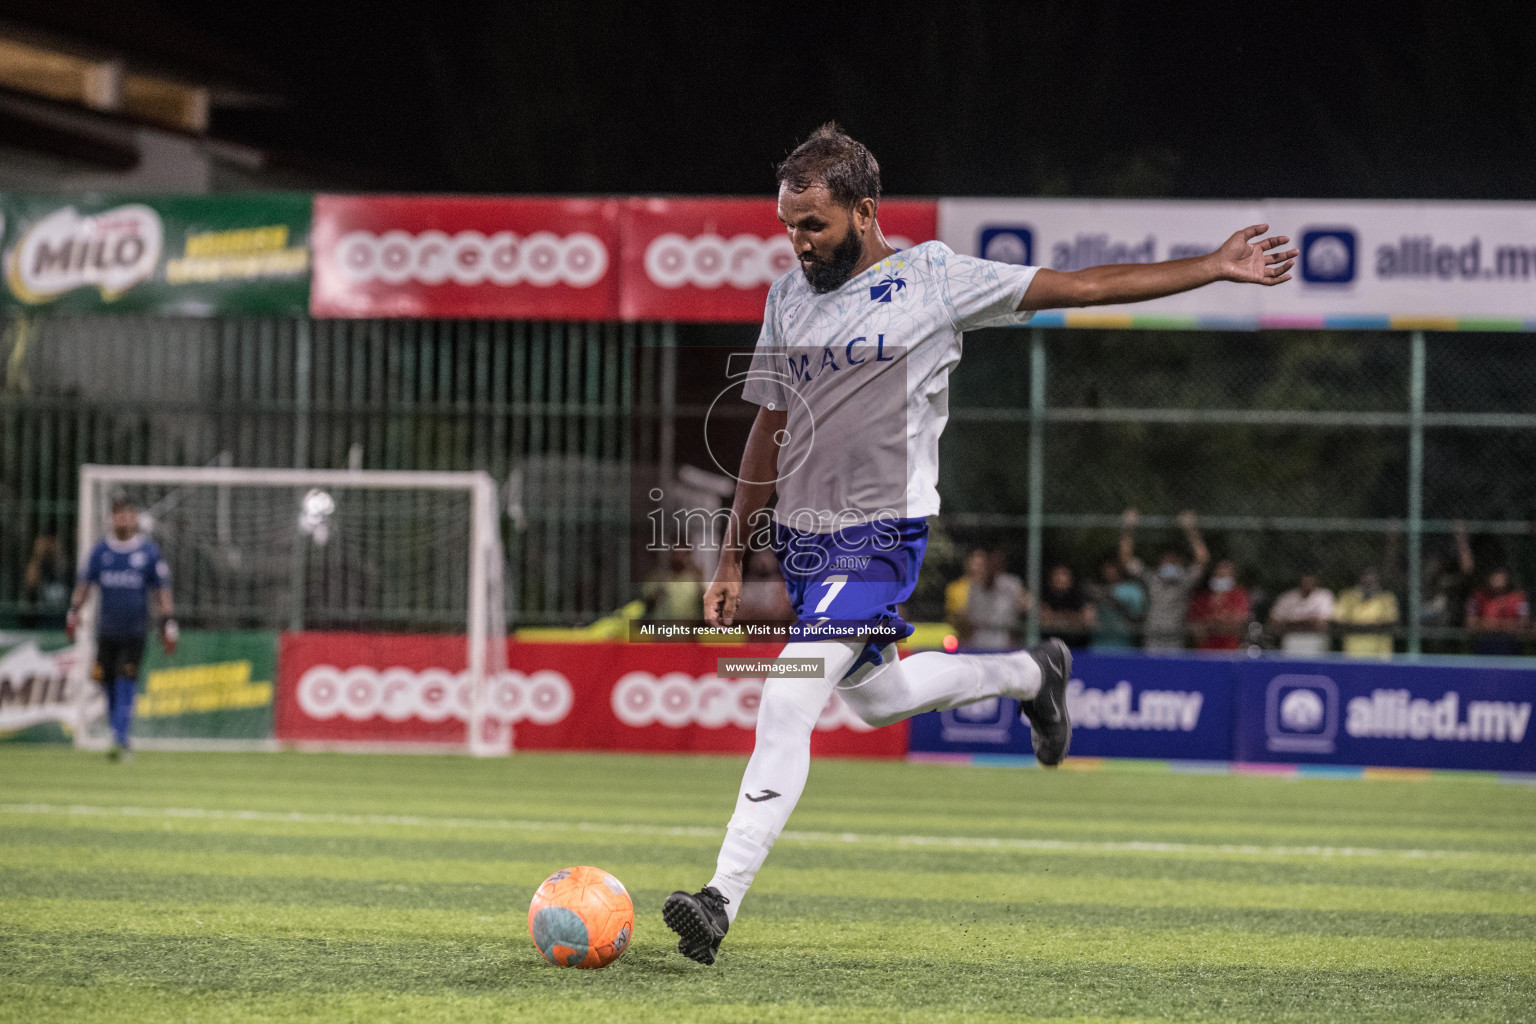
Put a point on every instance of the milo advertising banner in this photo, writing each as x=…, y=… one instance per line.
x=41, y=696
x=218, y=686
x=177, y=255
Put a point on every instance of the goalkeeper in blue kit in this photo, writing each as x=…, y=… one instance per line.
x=126, y=567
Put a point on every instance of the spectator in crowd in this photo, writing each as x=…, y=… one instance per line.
x=675, y=591
x=1169, y=584
x=1498, y=616
x=1447, y=584
x=1119, y=606
x=1301, y=616
x=764, y=597
x=45, y=585
x=1521, y=559
x=1219, y=611
x=994, y=601
x=1367, y=614
x=959, y=591
x=1064, y=610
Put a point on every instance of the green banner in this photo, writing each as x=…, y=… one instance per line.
x=217, y=686
x=242, y=253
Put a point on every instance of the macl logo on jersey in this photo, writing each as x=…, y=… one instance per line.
x=1328, y=255
x=1014, y=244
x=805, y=364
x=1301, y=714
x=112, y=251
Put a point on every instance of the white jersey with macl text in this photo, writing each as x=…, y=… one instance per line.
x=863, y=373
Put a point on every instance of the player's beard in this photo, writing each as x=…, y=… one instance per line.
x=830, y=274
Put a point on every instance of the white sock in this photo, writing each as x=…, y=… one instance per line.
x=896, y=689
x=780, y=763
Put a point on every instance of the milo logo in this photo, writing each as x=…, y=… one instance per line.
x=113, y=251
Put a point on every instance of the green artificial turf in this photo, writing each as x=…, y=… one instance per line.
x=194, y=887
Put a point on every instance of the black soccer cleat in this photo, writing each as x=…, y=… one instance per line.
x=1050, y=727
x=699, y=919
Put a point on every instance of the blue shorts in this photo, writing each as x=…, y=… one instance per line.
x=857, y=575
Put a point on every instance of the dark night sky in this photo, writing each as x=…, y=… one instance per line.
x=1414, y=99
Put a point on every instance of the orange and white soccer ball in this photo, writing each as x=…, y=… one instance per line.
x=581, y=917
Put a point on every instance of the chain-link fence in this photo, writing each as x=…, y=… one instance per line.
x=545, y=408
x=1333, y=450
x=1326, y=450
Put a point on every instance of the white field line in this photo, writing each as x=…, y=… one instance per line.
x=792, y=835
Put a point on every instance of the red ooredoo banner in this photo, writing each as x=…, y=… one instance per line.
x=713, y=259
x=457, y=256
x=360, y=687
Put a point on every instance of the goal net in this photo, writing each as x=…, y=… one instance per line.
x=378, y=553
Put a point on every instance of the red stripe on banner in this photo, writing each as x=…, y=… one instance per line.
x=459, y=256
x=690, y=260
x=367, y=688
x=712, y=260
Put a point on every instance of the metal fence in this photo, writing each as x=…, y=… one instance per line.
x=548, y=408
x=1337, y=449
x=1330, y=449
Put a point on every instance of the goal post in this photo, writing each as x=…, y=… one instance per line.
x=370, y=551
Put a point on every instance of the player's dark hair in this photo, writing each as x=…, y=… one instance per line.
x=831, y=158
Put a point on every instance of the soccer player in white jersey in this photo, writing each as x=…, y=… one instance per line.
x=851, y=375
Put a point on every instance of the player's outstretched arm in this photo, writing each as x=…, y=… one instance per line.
x=1240, y=258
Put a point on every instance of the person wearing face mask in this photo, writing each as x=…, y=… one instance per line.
x=1169, y=585
x=1367, y=614
x=1498, y=616
x=1219, y=613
